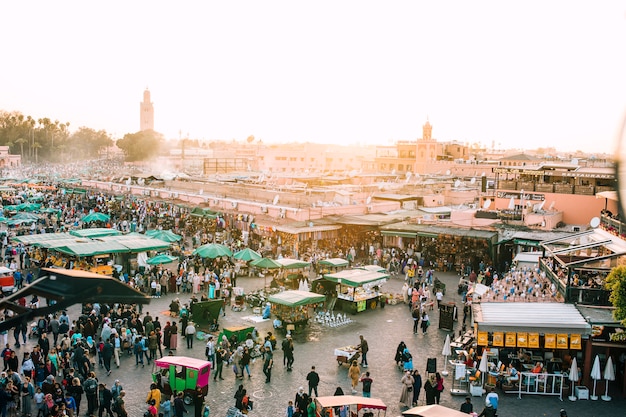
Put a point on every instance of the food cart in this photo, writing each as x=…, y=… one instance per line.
x=289, y=274
x=350, y=405
x=347, y=354
x=293, y=307
x=357, y=289
x=328, y=266
x=174, y=374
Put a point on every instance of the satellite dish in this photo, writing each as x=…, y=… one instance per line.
x=486, y=204
x=393, y=172
x=483, y=174
x=543, y=203
x=448, y=172
x=457, y=183
x=262, y=178
x=128, y=181
x=276, y=198
x=368, y=200
x=408, y=175
x=551, y=206
x=473, y=180
x=595, y=222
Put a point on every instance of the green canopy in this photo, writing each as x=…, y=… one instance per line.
x=212, y=250
x=247, y=254
x=204, y=212
x=43, y=237
x=265, y=263
x=357, y=277
x=23, y=207
x=166, y=235
x=334, y=262
x=296, y=298
x=287, y=263
x=161, y=259
x=92, y=248
x=95, y=232
x=96, y=217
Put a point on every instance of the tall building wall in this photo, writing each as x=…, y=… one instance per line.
x=146, y=112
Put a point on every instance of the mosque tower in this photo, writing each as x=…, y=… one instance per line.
x=146, y=112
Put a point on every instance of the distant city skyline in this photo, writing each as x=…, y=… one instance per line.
x=506, y=75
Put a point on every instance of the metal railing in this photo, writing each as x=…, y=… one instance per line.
x=540, y=384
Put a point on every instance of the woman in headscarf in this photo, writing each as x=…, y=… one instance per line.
x=237, y=357
x=429, y=388
x=399, y=351
x=406, y=395
x=407, y=360
x=355, y=374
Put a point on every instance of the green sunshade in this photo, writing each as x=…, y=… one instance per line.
x=137, y=243
x=96, y=217
x=287, y=263
x=92, y=248
x=161, y=259
x=334, y=262
x=357, y=277
x=296, y=298
x=95, y=232
x=247, y=254
x=265, y=263
x=204, y=212
x=166, y=235
x=212, y=250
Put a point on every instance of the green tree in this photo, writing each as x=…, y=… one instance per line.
x=21, y=141
x=140, y=146
x=88, y=142
x=616, y=283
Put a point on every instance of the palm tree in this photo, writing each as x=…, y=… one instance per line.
x=36, y=146
x=21, y=141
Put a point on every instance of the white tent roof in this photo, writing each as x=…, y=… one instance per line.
x=530, y=317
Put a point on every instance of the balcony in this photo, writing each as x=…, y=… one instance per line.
x=590, y=296
x=584, y=190
x=544, y=187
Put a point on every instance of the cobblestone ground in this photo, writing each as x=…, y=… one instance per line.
x=383, y=328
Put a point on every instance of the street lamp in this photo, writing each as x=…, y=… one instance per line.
x=522, y=203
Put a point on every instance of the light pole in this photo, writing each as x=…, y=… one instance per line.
x=522, y=203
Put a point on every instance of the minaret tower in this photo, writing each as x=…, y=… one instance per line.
x=146, y=112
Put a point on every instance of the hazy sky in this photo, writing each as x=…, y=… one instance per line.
x=515, y=74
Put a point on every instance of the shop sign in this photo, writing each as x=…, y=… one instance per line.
x=575, y=342
x=550, y=341
x=483, y=339
x=561, y=341
x=522, y=340
x=533, y=340
x=608, y=334
x=498, y=339
x=511, y=340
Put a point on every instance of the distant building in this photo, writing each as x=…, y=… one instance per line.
x=422, y=156
x=146, y=112
x=7, y=160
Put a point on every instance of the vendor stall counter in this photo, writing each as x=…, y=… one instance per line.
x=357, y=289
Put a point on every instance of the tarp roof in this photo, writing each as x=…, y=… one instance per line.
x=360, y=402
x=430, y=230
x=573, y=250
x=434, y=410
x=356, y=277
x=334, y=262
x=95, y=232
x=288, y=263
x=296, y=298
x=611, y=195
x=34, y=239
x=296, y=229
x=535, y=318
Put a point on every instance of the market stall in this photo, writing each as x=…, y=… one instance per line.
x=357, y=289
x=331, y=265
x=293, y=307
x=527, y=334
x=292, y=272
x=350, y=405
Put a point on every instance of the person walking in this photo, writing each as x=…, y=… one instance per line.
x=219, y=363
x=313, y=379
x=416, y=319
x=179, y=405
x=104, y=397
x=406, y=395
x=354, y=373
x=76, y=391
x=367, y=380
x=364, y=348
x=245, y=361
x=91, y=392
x=107, y=354
x=438, y=387
x=267, y=364
x=467, y=406
x=425, y=322
x=429, y=389
x=288, y=352
x=417, y=386
x=198, y=402
x=190, y=332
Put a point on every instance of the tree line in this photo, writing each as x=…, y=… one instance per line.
x=42, y=139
